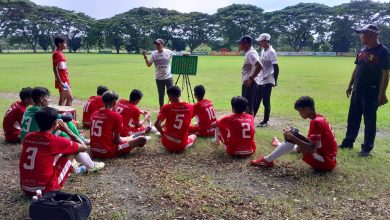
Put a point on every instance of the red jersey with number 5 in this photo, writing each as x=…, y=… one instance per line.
x=59, y=62
x=178, y=117
x=237, y=132
x=130, y=114
x=105, y=123
x=39, y=161
x=205, y=114
x=93, y=104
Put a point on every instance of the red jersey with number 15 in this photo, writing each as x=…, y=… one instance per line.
x=178, y=117
x=237, y=132
x=93, y=104
x=105, y=123
x=204, y=111
x=59, y=62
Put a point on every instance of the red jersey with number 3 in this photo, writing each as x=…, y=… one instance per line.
x=237, y=132
x=13, y=119
x=177, y=118
x=205, y=114
x=59, y=62
x=105, y=123
x=93, y=104
x=130, y=115
x=40, y=154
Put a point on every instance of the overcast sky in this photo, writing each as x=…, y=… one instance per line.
x=107, y=8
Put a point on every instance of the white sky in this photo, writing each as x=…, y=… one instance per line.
x=107, y=8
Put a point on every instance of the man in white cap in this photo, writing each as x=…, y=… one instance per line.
x=250, y=70
x=267, y=78
x=367, y=86
x=161, y=58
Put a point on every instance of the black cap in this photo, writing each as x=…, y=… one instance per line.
x=369, y=27
x=245, y=39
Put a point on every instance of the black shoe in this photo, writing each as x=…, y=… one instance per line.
x=364, y=154
x=342, y=146
x=262, y=124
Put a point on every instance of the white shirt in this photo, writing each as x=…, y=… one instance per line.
x=251, y=57
x=161, y=63
x=267, y=60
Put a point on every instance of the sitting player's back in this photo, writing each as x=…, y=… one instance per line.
x=12, y=121
x=94, y=103
x=130, y=115
x=205, y=113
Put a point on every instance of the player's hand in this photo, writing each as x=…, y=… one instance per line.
x=382, y=99
x=214, y=124
x=248, y=83
x=147, y=117
x=288, y=135
x=349, y=91
x=62, y=125
x=144, y=53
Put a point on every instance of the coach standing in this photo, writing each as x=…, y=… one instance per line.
x=368, y=88
x=267, y=77
x=161, y=58
x=250, y=70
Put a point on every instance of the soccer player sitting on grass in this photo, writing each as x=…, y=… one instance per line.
x=106, y=128
x=61, y=75
x=319, y=149
x=93, y=104
x=41, y=99
x=13, y=117
x=204, y=113
x=237, y=131
x=132, y=126
x=45, y=162
x=177, y=116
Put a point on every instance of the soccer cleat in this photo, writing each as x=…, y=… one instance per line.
x=342, y=146
x=364, y=154
x=261, y=162
x=154, y=130
x=158, y=134
x=98, y=166
x=148, y=138
x=262, y=124
x=275, y=142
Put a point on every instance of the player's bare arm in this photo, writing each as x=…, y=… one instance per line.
x=64, y=127
x=148, y=63
x=57, y=75
x=158, y=126
x=349, y=89
x=252, y=78
x=385, y=82
x=117, y=138
x=304, y=146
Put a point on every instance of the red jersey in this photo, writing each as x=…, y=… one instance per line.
x=12, y=121
x=93, y=104
x=205, y=114
x=59, y=62
x=178, y=118
x=130, y=115
x=237, y=132
x=105, y=123
x=321, y=131
x=39, y=161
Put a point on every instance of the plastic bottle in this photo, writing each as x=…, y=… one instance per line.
x=80, y=169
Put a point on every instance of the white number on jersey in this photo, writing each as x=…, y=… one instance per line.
x=97, y=128
x=119, y=110
x=246, y=128
x=31, y=157
x=211, y=112
x=26, y=121
x=178, y=121
x=86, y=106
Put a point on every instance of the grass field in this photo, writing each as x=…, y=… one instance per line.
x=203, y=183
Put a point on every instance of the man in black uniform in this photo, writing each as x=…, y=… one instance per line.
x=368, y=88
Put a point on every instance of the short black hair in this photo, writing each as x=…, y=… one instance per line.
x=135, y=95
x=174, y=91
x=59, y=40
x=239, y=104
x=25, y=93
x=305, y=101
x=101, y=89
x=38, y=92
x=109, y=96
x=45, y=118
x=199, y=91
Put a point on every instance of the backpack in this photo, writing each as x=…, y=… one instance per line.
x=60, y=206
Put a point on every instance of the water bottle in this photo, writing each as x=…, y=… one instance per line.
x=80, y=169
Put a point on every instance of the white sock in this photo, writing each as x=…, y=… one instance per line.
x=295, y=150
x=281, y=150
x=85, y=160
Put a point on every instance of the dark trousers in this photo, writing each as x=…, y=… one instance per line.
x=363, y=103
x=249, y=93
x=161, y=85
x=264, y=94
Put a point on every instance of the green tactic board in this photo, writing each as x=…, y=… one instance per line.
x=186, y=65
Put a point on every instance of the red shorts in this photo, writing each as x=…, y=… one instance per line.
x=241, y=152
x=326, y=165
x=59, y=86
x=122, y=148
x=62, y=170
x=201, y=132
x=175, y=147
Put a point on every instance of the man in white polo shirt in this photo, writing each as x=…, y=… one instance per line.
x=267, y=78
x=161, y=58
x=250, y=70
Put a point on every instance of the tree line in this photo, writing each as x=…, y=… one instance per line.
x=302, y=27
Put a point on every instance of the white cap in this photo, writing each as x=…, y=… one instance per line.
x=263, y=36
x=369, y=27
